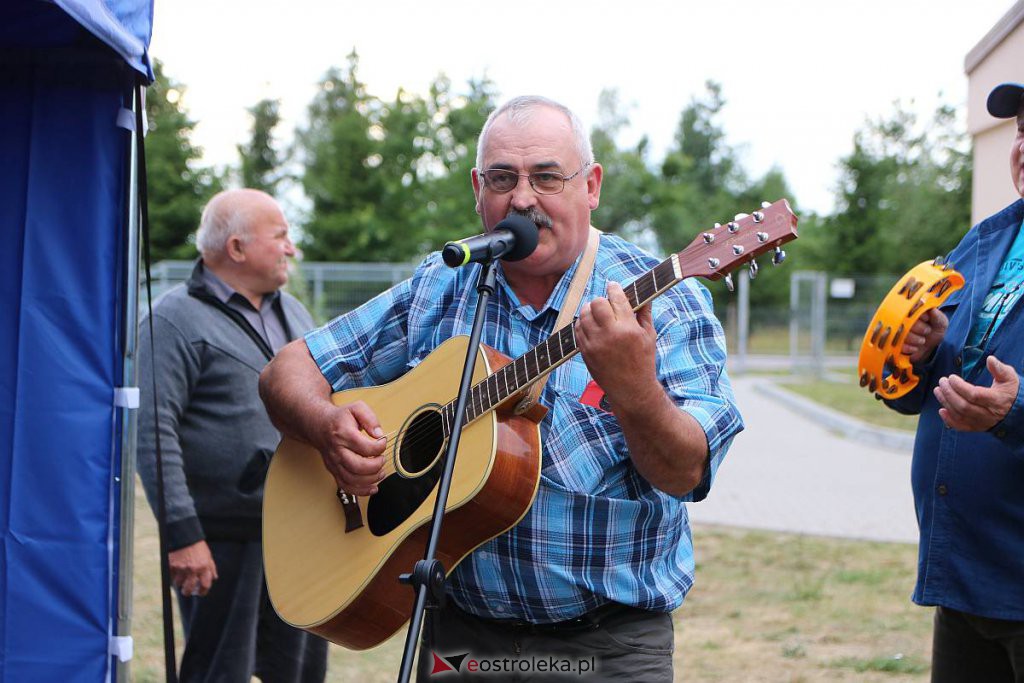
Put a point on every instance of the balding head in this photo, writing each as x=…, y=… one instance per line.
x=230, y=212
x=520, y=110
x=243, y=237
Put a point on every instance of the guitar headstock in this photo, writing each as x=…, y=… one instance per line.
x=715, y=252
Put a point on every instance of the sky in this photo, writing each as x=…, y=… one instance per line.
x=799, y=77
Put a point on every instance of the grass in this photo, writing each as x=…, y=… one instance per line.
x=783, y=607
x=766, y=607
x=775, y=340
x=848, y=397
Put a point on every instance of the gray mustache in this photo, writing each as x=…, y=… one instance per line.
x=533, y=214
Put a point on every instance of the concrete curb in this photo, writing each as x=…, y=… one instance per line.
x=849, y=427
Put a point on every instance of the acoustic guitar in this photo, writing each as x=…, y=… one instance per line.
x=332, y=561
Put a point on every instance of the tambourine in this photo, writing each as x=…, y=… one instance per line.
x=883, y=369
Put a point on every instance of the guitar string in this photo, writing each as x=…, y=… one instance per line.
x=435, y=431
x=643, y=288
x=482, y=394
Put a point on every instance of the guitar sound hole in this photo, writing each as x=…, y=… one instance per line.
x=420, y=443
x=418, y=468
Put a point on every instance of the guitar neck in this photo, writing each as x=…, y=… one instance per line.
x=513, y=378
x=712, y=254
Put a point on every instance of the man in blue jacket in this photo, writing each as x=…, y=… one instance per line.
x=968, y=468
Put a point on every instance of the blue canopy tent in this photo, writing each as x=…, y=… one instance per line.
x=68, y=281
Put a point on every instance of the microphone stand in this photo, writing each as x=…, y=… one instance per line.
x=428, y=575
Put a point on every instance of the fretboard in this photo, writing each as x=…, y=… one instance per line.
x=491, y=392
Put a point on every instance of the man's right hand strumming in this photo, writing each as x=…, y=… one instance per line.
x=349, y=437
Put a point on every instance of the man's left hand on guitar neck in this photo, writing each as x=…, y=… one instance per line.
x=667, y=445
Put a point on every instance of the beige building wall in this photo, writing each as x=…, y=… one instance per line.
x=997, y=58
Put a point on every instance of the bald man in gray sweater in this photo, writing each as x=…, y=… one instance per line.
x=211, y=338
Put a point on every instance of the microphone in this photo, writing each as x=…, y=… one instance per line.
x=512, y=239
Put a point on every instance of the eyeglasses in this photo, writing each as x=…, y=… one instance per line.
x=501, y=180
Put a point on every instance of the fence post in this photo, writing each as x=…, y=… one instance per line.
x=818, y=317
x=318, y=287
x=742, y=320
x=794, y=319
x=816, y=324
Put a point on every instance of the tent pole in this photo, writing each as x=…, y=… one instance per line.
x=129, y=416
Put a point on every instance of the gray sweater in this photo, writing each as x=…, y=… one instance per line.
x=215, y=436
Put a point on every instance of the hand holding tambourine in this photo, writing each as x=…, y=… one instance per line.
x=882, y=367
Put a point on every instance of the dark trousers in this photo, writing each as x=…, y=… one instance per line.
x=970, y=648
x=613, y=643
x=233, y=633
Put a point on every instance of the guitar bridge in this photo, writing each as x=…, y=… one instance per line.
x=350, y=505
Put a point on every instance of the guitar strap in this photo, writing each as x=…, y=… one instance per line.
x=567, y=314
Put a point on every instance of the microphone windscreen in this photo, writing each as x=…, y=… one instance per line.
x=526, y=235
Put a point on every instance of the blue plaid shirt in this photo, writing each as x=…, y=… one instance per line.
x=597, y=531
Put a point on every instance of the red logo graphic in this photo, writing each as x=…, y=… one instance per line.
x=449, y=663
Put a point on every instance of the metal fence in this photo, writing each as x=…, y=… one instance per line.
x=327, y=289
x=823, y=324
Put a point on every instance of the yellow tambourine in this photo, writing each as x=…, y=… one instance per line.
x=882, y=367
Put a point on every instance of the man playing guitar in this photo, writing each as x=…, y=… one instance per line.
x=604, y=554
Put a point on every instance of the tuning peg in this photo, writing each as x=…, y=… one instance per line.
x=778, y=257
x=733, y=226
x=729, y=283
x=765, y=205
x=753, y=269
x=758, y=217
x=740, y=216
x=708, y=238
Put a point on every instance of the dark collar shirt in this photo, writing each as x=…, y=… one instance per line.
x=266, y=321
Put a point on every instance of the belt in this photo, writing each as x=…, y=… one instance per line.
x=587, y=621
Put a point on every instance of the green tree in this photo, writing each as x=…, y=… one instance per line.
x=405, y=137
x=260, y=160
x=340, y=150
x=178, y=186
x=450, y=207
x=904, y=194
x=700, y=175
x=389, y=181
x=629, y=187
x=703, y=182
